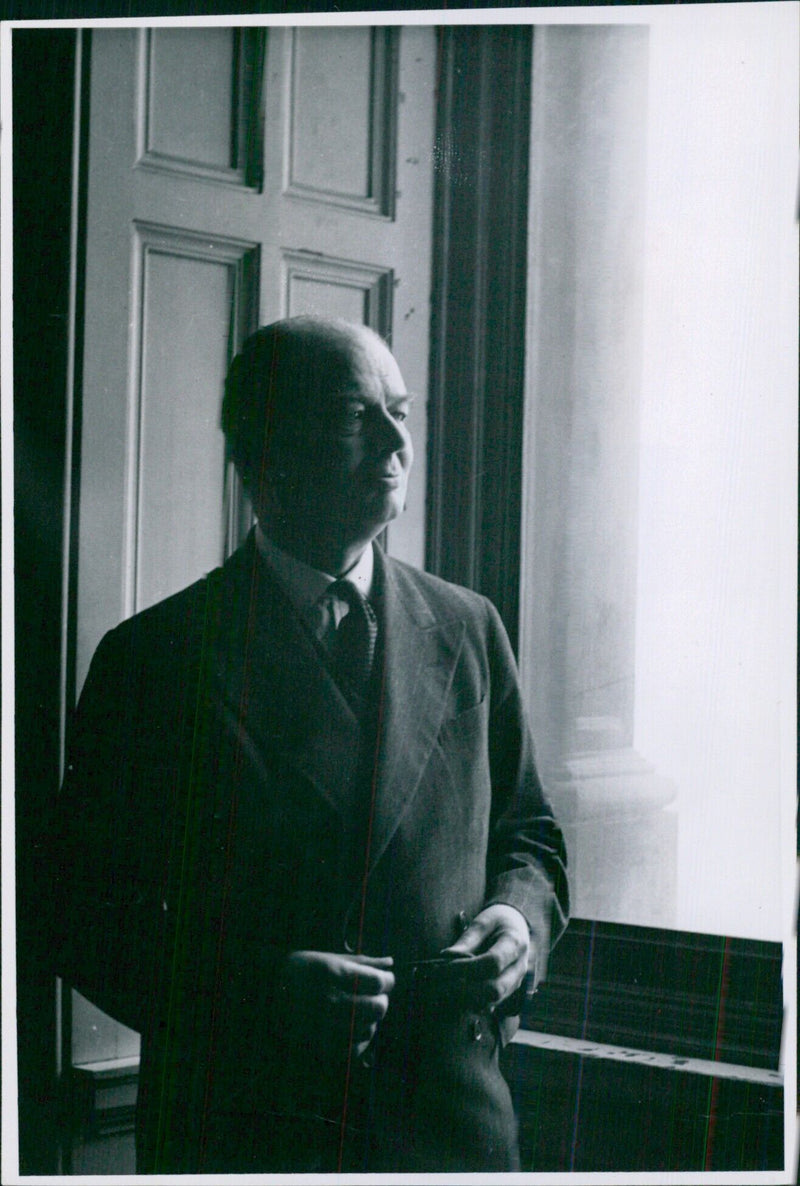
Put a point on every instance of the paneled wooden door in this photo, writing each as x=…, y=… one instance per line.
x=234, y=175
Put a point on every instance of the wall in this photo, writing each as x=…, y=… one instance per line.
x=715, y=645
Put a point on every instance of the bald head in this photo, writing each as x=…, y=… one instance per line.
x=278, y=372
x=314, y=414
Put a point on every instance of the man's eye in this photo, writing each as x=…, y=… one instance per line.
x=351, y=417
x=399, y=414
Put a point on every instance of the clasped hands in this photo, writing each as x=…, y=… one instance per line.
x=349, y=995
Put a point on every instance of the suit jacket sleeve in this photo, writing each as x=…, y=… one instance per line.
x=130, y=834
x=526, y=862
x=102, y=878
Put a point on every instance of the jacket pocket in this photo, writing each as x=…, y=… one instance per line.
x=469, y=721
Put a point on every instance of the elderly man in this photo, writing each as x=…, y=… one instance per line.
x=302, y=845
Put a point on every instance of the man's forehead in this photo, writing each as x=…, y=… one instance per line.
x=360, y=366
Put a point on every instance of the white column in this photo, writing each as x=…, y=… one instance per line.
x=580, y=522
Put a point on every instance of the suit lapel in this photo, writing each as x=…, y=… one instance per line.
x=276, y=691
x=420, y=659
x=279, y=698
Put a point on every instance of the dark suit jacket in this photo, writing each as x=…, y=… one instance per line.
x=224, y=806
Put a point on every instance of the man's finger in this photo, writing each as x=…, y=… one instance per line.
x=361, y=1046
x=373, y=961
x=358, y=1016
x=472, y=939
x=504, y=985
x=370, y=1009
x=506, y=950
x=366, y=979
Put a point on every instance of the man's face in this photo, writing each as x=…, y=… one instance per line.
x=351, y=450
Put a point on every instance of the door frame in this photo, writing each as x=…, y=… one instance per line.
x=478, y=325
x=46, y=96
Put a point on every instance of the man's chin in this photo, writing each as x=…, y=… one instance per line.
x=383, y=511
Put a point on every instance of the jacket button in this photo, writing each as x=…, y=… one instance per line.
x=462, y=922
x=476, y=1029
x=368, y=1059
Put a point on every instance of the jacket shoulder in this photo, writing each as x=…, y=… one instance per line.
x=442, y=596
x=174, y=613
x=183, y=625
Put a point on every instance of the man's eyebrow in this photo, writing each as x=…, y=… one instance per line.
x=356, y=396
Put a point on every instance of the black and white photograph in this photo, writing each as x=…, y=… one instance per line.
x=399, y=561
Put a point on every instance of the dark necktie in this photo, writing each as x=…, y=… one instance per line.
x=353, y=649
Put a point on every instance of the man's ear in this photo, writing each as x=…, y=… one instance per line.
x=250, y=487
x=247, y=482
x=270, y=491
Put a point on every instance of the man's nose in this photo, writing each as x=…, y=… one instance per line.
x=389, y=436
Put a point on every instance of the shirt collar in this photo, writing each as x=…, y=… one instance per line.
x=304, y=584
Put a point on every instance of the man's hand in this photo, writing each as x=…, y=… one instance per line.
x=347, y=995
x=499, y=942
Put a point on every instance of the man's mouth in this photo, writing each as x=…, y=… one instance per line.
x=390, y=478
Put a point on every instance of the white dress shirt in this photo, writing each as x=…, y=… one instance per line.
x=306, y=587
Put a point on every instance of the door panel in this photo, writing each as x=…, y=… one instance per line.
x=234, y=176
x=190, y=96
x=176, y=469
x=337, y=288
x=179, y=471
x=342, y=116
x=198, y=102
